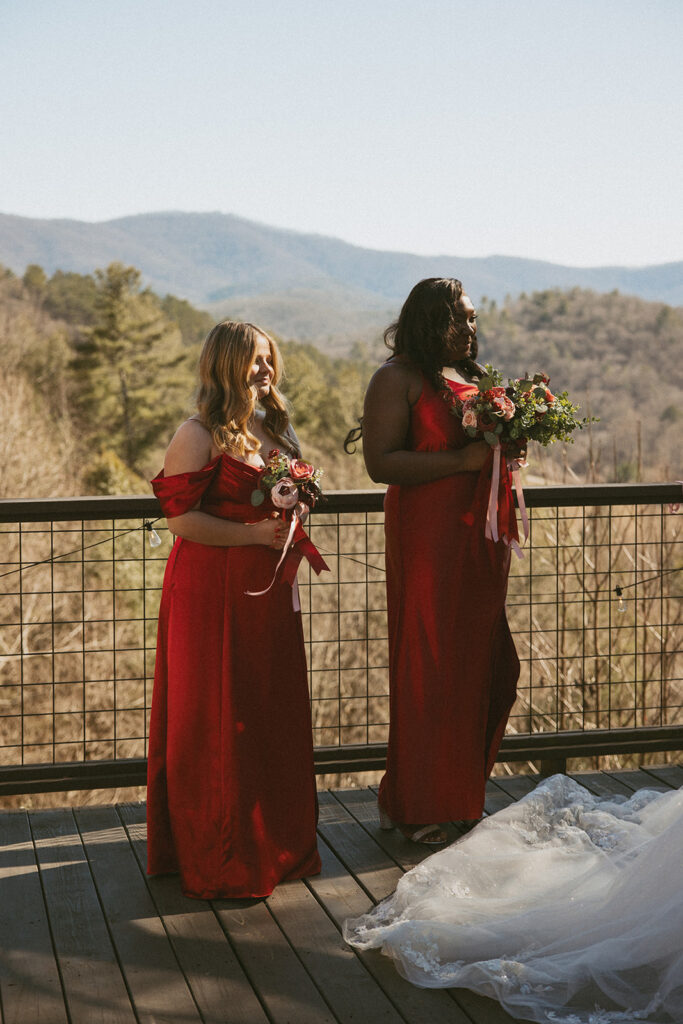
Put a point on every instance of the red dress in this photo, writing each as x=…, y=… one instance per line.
x=231, y=799
x=452, y=663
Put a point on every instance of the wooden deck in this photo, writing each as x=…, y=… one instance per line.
x=87, y=938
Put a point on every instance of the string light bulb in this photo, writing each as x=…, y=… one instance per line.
x=154, y=538
x=620, y=594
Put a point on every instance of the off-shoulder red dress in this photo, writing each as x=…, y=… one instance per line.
x=452, y=662
x=231, y=799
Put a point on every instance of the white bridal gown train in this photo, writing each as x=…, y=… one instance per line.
x=564, y=907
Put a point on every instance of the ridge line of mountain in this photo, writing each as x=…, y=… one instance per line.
x=310, y=286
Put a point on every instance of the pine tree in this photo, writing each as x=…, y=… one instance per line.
x=130, y=369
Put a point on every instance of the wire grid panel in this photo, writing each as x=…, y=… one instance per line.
x=77, y=639
x=78, y=630
x=345, y=629
x=591, y=658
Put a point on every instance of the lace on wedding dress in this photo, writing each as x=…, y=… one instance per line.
x=564, y=907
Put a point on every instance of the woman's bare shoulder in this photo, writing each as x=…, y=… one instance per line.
x=190, y=448
x=397, y=378
x=397, y=372
x=193, y=424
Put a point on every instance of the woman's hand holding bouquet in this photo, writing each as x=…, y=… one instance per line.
x=287, y=482
x=293, y=487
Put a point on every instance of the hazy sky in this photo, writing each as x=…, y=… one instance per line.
x=550, y=129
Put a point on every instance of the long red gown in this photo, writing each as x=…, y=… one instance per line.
x=231, y=799
x=452, y=662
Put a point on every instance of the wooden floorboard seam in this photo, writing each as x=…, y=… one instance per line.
x=348, y=987
x=143, y=952
x=119, y=946
x=107, y=922
x=414, y=1005
x=475, y=1008
x=245, y=969
x=272, y=1004
x=48, y=916
x=209, y=996
x=25, y=942
x=95, y=988
x=253, y=976
x=347, y=866
x=381, y=841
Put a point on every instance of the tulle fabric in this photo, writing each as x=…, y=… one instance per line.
x=564, y=907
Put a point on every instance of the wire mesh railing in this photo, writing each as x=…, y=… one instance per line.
x=594, y=607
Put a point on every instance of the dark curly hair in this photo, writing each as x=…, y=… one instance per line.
x=430, y=323
x=428, y=326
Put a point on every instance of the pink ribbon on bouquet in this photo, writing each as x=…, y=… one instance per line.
x=491, y=527
x=295, y=589
x=514, y=466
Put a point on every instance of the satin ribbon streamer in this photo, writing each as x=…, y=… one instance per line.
x=491, y=528
x=514, y=467
x=295, y=590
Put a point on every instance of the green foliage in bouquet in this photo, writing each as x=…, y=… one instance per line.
x=524, y=409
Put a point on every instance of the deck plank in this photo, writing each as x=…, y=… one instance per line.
x=495, y=798
x=357, y=847
x=89, y=939
x=94, y=987
x=361, y=805
x=212, y=970
x=638, y=779
x=517, y=786
x=348, y=988
x=30, y=987
x=156, y=983
x=600, y=784
x=671, y=774
x=342, y=897
x=271, y=964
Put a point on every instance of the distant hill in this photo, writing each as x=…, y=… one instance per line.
x=305, y=286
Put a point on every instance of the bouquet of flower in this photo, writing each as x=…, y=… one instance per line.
x=287, y=481
x=523, y=410
x=508, y=416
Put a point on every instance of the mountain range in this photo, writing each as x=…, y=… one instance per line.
x=305, y=286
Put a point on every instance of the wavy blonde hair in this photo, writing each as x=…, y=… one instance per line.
x=225, y=400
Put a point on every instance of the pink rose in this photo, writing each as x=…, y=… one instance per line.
x=508, y=408
x=300, y=470
x=469, y=418
x=284, y=494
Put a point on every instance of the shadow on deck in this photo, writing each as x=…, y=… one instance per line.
x=87, y=938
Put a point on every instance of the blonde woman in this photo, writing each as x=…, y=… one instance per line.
x=231, y=791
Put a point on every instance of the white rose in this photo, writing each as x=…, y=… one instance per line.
x=284, y=494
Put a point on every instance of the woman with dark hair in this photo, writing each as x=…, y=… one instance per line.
x=452, y=663
x=231, y=799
